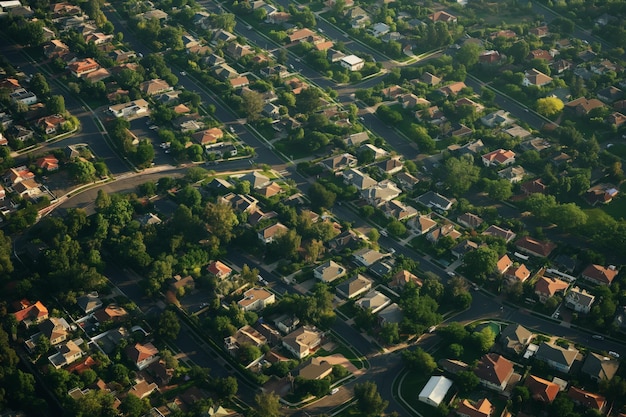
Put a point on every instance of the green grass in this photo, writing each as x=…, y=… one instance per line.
x=348, y=309
x=616, y=208
x=618, y=149
x=351, y=411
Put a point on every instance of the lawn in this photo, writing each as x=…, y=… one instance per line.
x=616, y=208
x=618, y=149
x=412, y=384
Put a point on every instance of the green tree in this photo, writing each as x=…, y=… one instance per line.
x=308, y=100
x=568, y=216
x=267, y=405
x=480, y=263
x=56, y=105
x=369, y=401
x=220, y=220
x=83, y=171
x=468, y=54
x=390, y=333
x=6, y=250
x=252, y=104
x=419, y=360
x=459, y=174
x=484, y=339
x=132, y=406
x=455, y=332
x=500, y=189
x=321, y=197
x=169, y=326
x=39, y=85
x=467, y=381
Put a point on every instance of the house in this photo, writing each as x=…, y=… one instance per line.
x=452, y=89
x=354, y=286
x=142, y=355
x=430, y=79
x=237, y=51
x=515, y=338
x=517, y=274
x=599, y=275
x=403, y=277
x=411, y=100
x=129, y=109
x=225, y=72
x=390, y=314
x=556, y=356
x=498, y=232
x=579, y=300
x=82, y=67
x=51, y=124
x=142, y=389
x=512, y=174
x=301, y=35
x=31, y=313
x=469, y=220
x=442, y=16
x=534, y=247
x=599, y=367
x=503, y=264
x=329, y=271
x=239, y=202
x=494, y=371
x=357, y=178
x=489, y=57
x=17, y=175
x=48, y=163
x=497, y=118
x=256, y=299
x=21, y=95
x=340, y=162
x=540, y=389
x=587, y=399
x=499, y=157
x=303, y=341
x=423, y=224
x=286, y=324
x=67, y=353
x=55, y=329
x=392, y=92
x=154, y=87
x=383, y=267
x=316, y=368
x=446, y=230
x=373, y=301
x=616, y=119
x=346, y=239
x=182, y=283
x=381, y=193
x=247, y=335
x=390, y=166
x=208, y=136
x=534, y=186
x=268, y=234
x=256, y=179
x=482, y=408
x=547, y=287
x=478, y=108
x=396, y=209
x=367, y=257
x=222, y=36
x=435, y=200
x=352, y=63
x=356, y=139
x=540, y=54
x=27, y=188
x=89, y=303
x=463, y=248
x=435, y=390
x=583, y=106
x=406, y=181
x=112, y=312
x=609, y=94
x=536, y=78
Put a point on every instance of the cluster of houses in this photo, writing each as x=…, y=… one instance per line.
x=36, y=121
x=499, y=375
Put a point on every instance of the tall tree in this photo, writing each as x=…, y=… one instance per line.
x=267, y=405
x=169, y=326
x=220, y=220
x=252, y=104
x=369, y=401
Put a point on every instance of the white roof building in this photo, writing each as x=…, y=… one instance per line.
x=352, y=62
x=435, y=390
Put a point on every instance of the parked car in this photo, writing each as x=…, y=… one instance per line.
x=598, y=337
x=614, y=354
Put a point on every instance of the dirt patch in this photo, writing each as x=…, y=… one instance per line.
x=338, y=359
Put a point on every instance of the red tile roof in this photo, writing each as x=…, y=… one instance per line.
x=34, y=311
x=587, y=399
x=600, y=274
x=541, y=389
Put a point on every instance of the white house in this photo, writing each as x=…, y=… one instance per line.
x=435, y=390
x=352, y=62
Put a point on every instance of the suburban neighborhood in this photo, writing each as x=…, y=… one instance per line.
x=264, y=208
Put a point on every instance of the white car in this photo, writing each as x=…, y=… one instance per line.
x=183, y=73
x=334, y=391
x=614, y=354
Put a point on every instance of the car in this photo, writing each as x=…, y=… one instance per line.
x=153, y=127
x=167, y=151
x=232, y=129
x=320, y=30
x=614, y=354
x=608, y=145
x=139, y=54
x=597, y=337
x=383, y=232
x=249, y=27
x=334, y=391
x=183, y=73
x=450, y=273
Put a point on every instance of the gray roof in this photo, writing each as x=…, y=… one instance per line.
x=554, y=353
x=391, y=314
x=354, y=286
x=600, y=367
x=515, y=337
